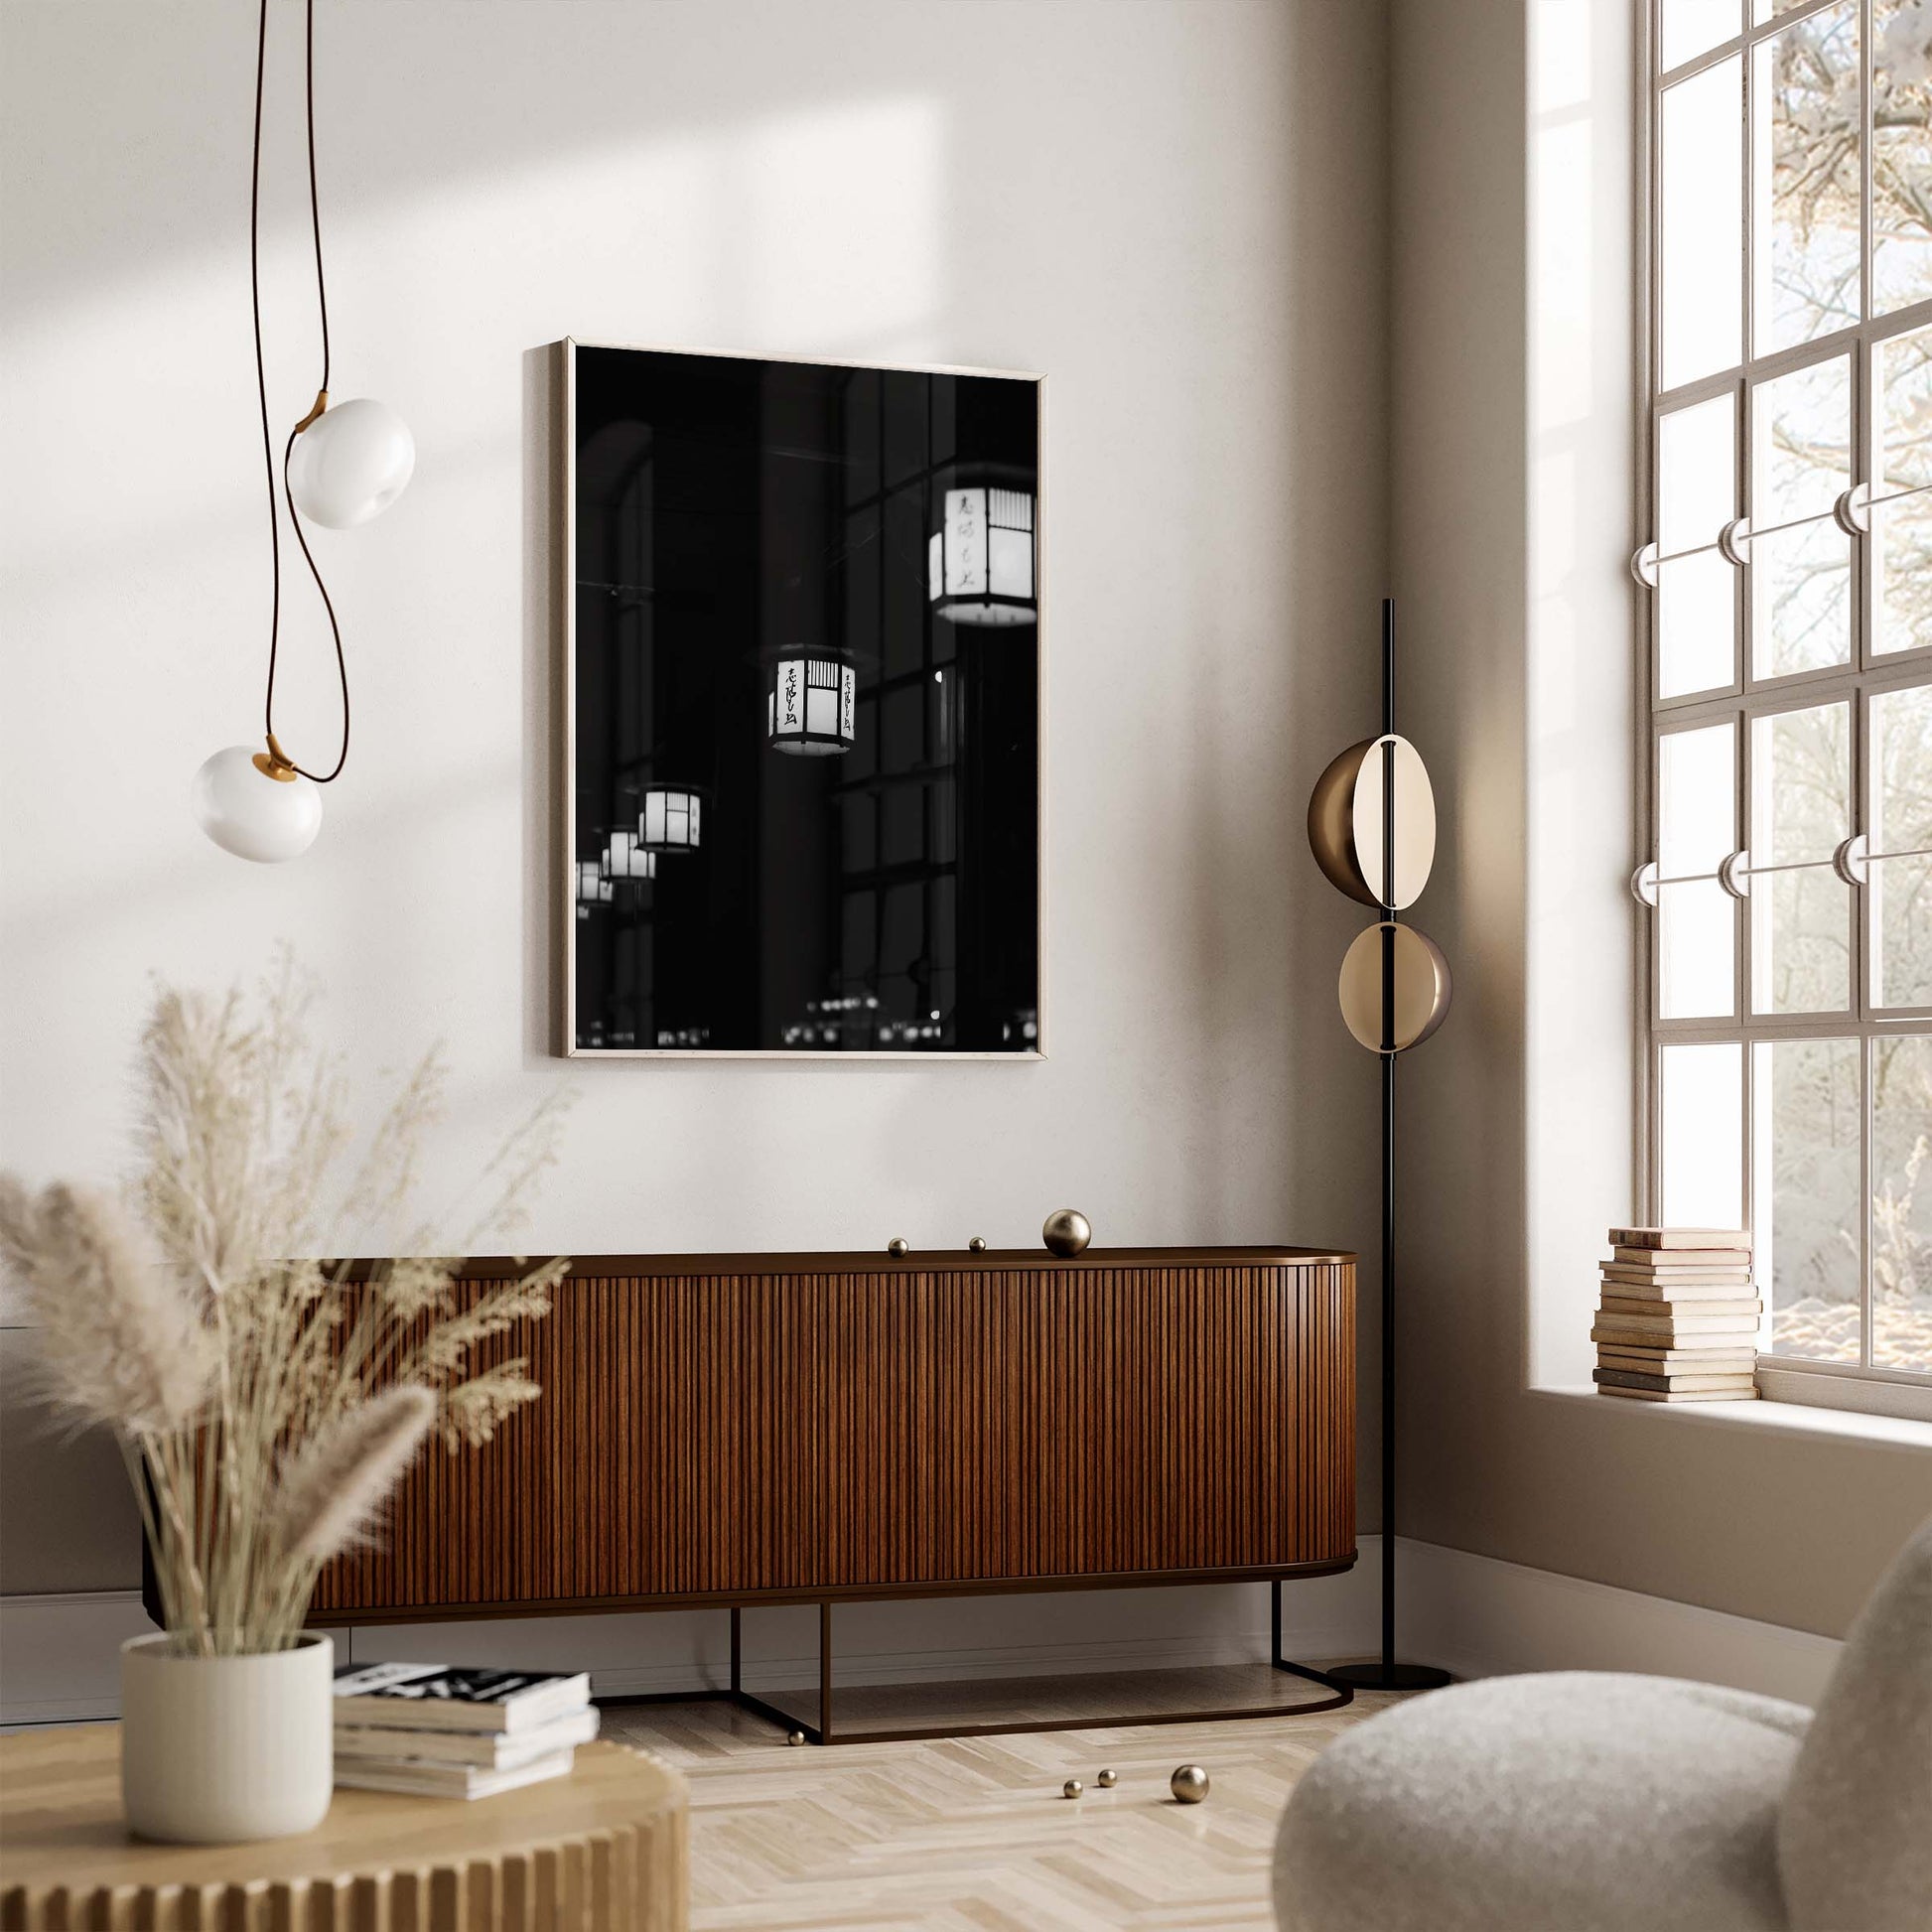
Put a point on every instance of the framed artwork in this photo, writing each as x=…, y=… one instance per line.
x=802, y=685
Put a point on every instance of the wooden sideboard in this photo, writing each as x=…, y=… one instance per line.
x=743, y=1430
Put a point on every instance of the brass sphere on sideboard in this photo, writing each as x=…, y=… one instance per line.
x=1071, y=1788
x=1107, y=1780
x=1066, y=1231
x=977, y=1245
x=1189, y=1784
x=898, y=1247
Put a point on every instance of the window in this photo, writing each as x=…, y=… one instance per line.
x=1789, y=747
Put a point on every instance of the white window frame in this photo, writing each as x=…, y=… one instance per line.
x=1748, y=697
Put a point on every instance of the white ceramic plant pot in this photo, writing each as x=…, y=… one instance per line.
x=215, y=1751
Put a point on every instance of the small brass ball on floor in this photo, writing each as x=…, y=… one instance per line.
x=1066, y=1231
x=1189, y=1784
x=1107, y=1780
x=1071, y=1788
x=898, y=1245
x=795, y=1737
x=977, y=1245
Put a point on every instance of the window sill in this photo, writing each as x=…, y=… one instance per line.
x=1791, y=1418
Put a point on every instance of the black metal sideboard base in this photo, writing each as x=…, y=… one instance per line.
x=827, y=1731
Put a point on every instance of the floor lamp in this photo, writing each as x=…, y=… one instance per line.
x=1372, y=828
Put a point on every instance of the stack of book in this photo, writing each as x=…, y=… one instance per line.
x=1677, y=1320
x=439, y=1733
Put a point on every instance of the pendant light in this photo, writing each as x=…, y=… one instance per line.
x=341, y=467
x=672, y=819
x=351, y=463
x=809, y=709
x=979, y=562
x=625, y=858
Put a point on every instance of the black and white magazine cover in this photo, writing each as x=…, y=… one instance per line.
x=439, y=1697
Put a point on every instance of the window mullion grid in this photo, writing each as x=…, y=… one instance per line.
x=1750, y=697
x=1866, y=1058
x=1748, y=1167
x=1653, y=977
x=1848, y=340
x=1862, y=763
x=1863, y=363
x=1742, y=617
x=1649, y=28
x=1749, y=34
x=1865, y=453
x=1748, y=210
x=1866, y=143
x=1743, y=763
x=1718, y=1030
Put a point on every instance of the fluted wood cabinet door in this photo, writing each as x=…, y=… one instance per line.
x=847, y=1426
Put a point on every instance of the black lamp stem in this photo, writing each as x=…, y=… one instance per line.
x=1388, y=1141
x=1388, y=1675
x=1388, y=692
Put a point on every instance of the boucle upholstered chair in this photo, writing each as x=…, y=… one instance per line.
x=1590, y=1802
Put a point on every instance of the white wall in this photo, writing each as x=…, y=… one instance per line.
x=1174, y=209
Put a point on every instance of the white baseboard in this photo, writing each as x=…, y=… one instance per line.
x=1475, y=1615
x=1482, y=1617
x=60, y=1655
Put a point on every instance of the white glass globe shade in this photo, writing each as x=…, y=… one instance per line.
x=351, y=463
x=252, y=816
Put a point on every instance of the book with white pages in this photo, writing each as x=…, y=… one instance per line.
x=1695, y=1281
x=438, y=1697
x=494, y=1750
x=1674, y=1261
x=448, y=1780
x=1731, y=1240
x=1613, y=1303
x=1662, y=1361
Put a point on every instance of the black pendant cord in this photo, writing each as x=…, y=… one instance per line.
x=261, y=392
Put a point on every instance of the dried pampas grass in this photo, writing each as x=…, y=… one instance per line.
x=267, y=1404
x=332, y=1489
x=120, y=1344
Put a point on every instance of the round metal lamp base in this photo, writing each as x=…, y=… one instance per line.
x=1395, y=1676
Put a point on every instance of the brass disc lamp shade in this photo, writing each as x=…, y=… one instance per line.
x=1422, y=988
x=1373, y=830
x=1346, y=822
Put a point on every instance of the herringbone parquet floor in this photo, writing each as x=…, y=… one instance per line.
x=972, y=1833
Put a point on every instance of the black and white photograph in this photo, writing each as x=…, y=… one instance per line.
x=803, y=690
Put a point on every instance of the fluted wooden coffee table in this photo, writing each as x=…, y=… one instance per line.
x=601, y=1850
